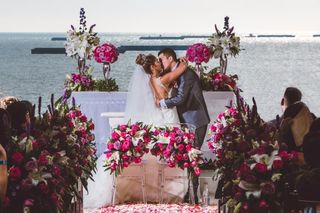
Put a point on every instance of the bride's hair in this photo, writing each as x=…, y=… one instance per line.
x=146, y=61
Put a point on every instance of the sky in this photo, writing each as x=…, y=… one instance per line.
x=162, y=16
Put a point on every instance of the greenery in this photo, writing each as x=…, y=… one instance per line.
x=110, y=85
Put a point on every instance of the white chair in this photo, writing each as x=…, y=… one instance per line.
x=114, y=119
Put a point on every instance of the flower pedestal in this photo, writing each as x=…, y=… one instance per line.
x=92, y=104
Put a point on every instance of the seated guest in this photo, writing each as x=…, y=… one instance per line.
x=308, y=182
x=6, y=101
x=296, y=119
x=3, y=173
x=20, y=118
x=5, y=128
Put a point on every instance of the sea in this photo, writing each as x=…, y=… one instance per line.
x=265, y=66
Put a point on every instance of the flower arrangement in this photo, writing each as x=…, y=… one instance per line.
x=175, y=146
x=46, y=166
x=106, y=53
x=249, y=160
x=215, y=80
x=127, y=145
x=80, y=44
x=198, y=53
x=223, y=44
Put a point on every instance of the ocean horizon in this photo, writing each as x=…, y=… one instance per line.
x=265, y=67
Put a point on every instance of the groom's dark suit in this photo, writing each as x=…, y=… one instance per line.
x=191, y=107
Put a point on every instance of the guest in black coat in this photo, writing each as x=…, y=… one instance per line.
x=308, y=182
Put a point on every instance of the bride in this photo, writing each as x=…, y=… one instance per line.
x=146, y=85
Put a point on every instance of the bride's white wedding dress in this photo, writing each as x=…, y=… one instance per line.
x=140, y=106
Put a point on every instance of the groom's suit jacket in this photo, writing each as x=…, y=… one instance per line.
x=188, y=99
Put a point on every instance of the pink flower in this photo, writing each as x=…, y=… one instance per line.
x=35, y=145
x=56, y=171
x=43, y=159
x=114, y=136
x=261, y=168
x=188, y=147
x=125, y=164
x=30, y=165
x=83, y=118
x=43, y=188
x=137, y=160
x=28, y=202
x=263, y=204
x=110, y=146
x=14, y=172
x=55, y=198
x=106, y=53
x=186, y=165
x=26, y=184
x=277, y=164
x=181, y=147
x=198, y=53
x=17, y=157
x=197, y=171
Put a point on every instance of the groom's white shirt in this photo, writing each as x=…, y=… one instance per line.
x=162, y=102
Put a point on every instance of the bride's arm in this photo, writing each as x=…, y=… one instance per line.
x=172, y=76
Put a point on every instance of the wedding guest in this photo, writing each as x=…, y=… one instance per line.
x=3, y=173
x=31, y=111
x=296, y=119
x=315, y=126
x=5, y=101
x=5, y=128
x=308, y=182
x=20, y=117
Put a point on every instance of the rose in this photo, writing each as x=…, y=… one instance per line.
x=181, y=147
x=268, y=188
x=55, y=198
x=43, y=159
x=261, y=168
x=114, y=136
x=30, y=165
x=198, y=53
x=26, y=184
x=17, y=157
x=43, y=188
x=277, y=164
x=56, y=171
x=14, y=172
x=106, y=53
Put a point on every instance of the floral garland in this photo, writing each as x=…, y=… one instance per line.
x=249, y=160
x=45, y=167
x=175, y=146
x=127, y=144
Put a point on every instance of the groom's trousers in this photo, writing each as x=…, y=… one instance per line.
x=200, y=134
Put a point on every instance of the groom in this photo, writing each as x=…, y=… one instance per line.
x=188, y=99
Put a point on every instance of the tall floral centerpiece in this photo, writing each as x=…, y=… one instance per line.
x=198, y=53
x=224, y=44
x=81, y=45
x=106, y=54
x=250, y=161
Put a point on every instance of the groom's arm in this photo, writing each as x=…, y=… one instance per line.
x=184, y=89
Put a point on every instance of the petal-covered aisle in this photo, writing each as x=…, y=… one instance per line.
x=154, y=208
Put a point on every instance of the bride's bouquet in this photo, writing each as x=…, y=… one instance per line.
x=128, y=144
x=174, y=145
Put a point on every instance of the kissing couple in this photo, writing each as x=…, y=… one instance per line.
x=164, y=90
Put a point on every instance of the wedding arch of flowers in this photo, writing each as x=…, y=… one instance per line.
x=129, y=142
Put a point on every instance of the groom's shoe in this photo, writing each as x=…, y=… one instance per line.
x=187, y=200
